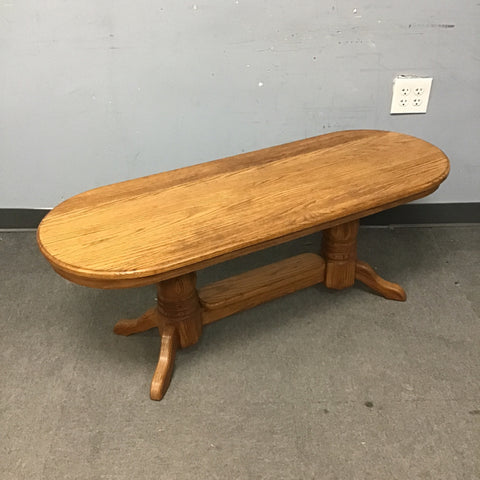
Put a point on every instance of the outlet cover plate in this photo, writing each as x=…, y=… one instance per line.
x=410, y=94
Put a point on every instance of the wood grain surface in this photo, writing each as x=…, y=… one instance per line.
x=249, y=289
x=149, y=229
x=339, y=249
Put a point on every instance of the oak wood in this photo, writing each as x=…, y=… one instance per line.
x=339, y=249
x=118, y=283
x=178, y=316
x=179, y=305
x=240, y=292
x=150, y=319
x=163, y=372
x=162, y=226
x=366, y=274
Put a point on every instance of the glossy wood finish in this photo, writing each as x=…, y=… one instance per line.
x=339, y=249
x=237, y=293
x=150, y=319
x=342, y=268
x=179, y=305
x=161, y=229
x=178, y=317
x=145, y=230
x=163, y=372
x=181, y=311
x=366, y=274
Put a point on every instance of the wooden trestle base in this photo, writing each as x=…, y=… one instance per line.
x=182, y=311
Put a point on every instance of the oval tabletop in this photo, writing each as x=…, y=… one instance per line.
x=152, y=228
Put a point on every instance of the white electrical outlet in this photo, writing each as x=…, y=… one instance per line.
x=410, y=94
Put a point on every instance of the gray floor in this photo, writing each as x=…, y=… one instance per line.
x=319, y=384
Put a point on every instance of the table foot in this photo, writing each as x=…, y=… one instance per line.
x=150, y=319
x=367, y=275
x=163, y=372
x=180, y=314
x=342, y=268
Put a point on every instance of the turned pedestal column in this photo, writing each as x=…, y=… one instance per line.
x=178, y=316
x=339, y=250
x=342, y=268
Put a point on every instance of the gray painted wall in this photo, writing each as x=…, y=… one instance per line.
x=98, y=91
